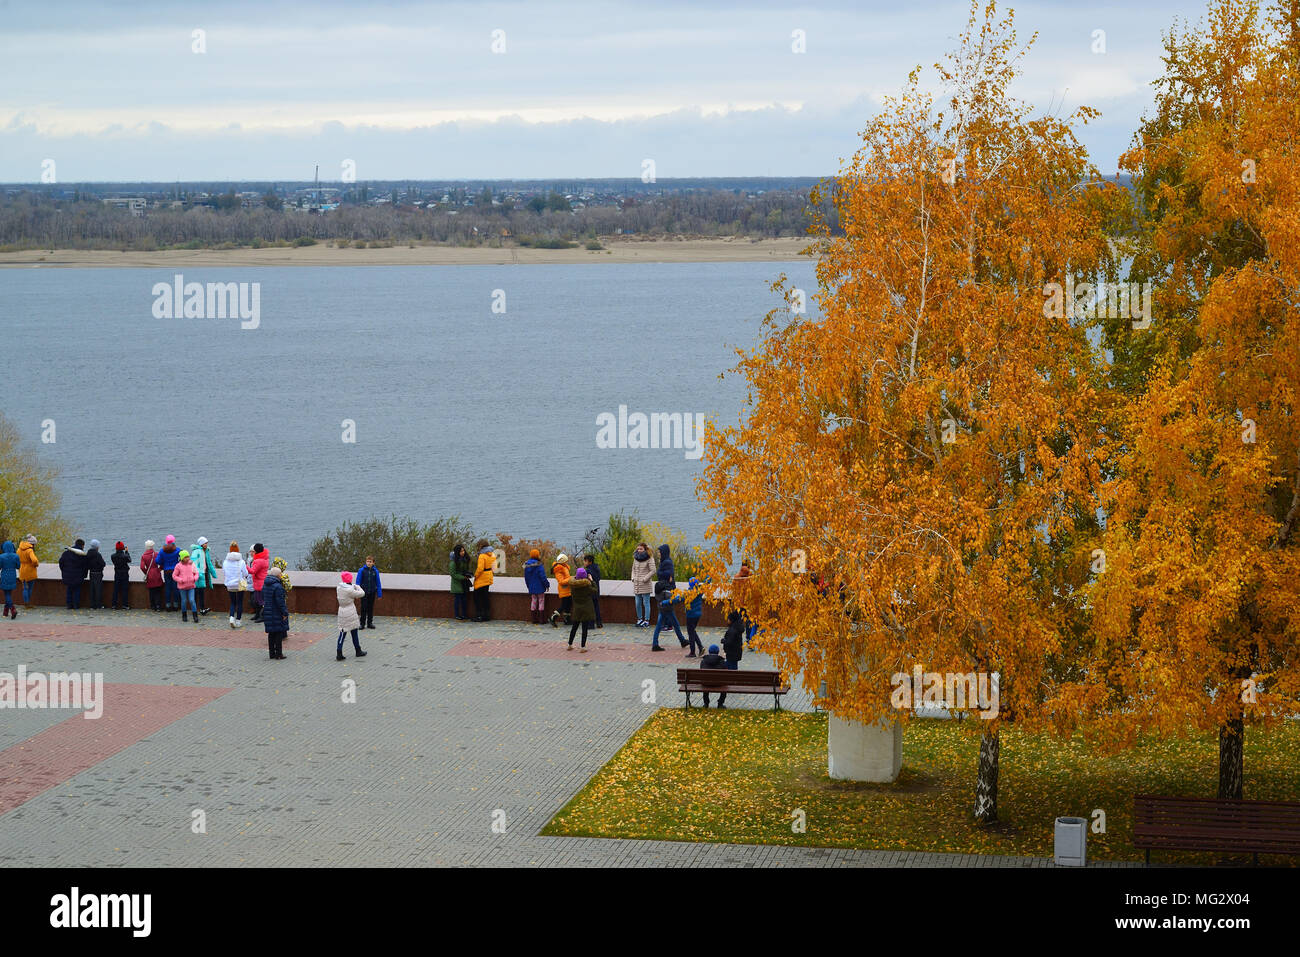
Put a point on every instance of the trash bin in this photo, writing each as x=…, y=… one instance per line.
x=1071, y=841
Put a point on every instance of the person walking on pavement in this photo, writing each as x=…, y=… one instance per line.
x=349, y=620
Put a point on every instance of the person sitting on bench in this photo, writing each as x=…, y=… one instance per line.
x=714, y=660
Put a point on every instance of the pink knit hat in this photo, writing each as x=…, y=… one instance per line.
x=347, y=578
x=171, y=539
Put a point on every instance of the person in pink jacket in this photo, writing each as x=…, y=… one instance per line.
x=185, y=575
x=259, y=560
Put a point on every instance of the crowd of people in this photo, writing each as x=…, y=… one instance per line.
x=180, y=579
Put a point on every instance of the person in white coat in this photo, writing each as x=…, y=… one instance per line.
x=349, y=620
x=235, y=572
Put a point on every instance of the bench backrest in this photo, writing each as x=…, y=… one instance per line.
x=717, y=677
x=1172, y=816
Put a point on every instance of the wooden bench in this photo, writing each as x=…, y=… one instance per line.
x=1211, y=824
x=724, y=680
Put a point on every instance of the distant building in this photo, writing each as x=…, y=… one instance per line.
x=135, y=204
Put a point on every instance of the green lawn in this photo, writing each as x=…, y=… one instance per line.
x=737, y=776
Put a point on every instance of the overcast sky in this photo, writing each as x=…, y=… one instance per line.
x=114, y=91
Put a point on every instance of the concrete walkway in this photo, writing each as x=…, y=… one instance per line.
x=454, y=725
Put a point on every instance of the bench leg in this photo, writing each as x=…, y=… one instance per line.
x=688, y=701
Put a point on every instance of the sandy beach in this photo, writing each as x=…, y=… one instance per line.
x=649, y=251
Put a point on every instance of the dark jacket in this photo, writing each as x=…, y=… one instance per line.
x=275, y=608
x=535, y=577
x=461, y=573
x=593, y=572
x=733, y=642
x=666, y=596
x=582, y=591
x=72, y=563
x=122, y=565
x=9, y=563
x=666, y=571
x=712, y=661
x=368, y=579
x=95, y=563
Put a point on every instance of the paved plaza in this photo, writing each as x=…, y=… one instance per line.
x=453, y=723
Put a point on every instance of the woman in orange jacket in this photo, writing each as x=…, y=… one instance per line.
x=487, y=560
x=561, y=572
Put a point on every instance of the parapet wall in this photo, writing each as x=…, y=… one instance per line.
x=408, y=596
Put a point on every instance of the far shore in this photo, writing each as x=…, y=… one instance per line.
x=322, y=254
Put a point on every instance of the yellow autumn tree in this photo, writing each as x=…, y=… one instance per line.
x=29, y=501
x=926, y=444
x=1197, y=615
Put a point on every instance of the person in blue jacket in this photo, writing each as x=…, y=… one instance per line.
x=9, y=576
x=694, y=612
x=538, y=585
x=368, y=580
x=166, y=560
x=275, y=613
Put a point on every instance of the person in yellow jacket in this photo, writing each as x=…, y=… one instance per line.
x=27, y=563
x=561, y=572
x=487, y=560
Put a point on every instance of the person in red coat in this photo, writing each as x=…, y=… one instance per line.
x=153, y=577
x=259, y=562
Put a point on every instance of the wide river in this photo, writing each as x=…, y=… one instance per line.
x=369, y=390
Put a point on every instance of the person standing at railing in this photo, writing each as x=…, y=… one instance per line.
x=461, y=581
x=483, y=581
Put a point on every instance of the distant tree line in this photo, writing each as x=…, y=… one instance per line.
x=30, y=221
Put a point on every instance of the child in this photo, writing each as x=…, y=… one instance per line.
x=538, y=585
x=487, y=561
x=185, y=576
x=121, y=577
x=9, y=565
x=368, y=581
x=584, y=613
x=714, y=660
x=237, y=578
x=694, y=612
x=643, y=573
x=593, y=572
x=348, y=619
x=153, y=579
x=733, y=642
x=562, y=578
x=95, y=565
x=460, y=582
x=664, y=595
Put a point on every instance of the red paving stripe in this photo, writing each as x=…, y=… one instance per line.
x=551, y=650
x=131, y=712
x=209, y=634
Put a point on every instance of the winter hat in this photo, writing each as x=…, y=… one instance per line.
x=234, y=546
x=202, y=541
x=120, y=546
x=94, y=543
x=561, y=559
x=185, y=556
x=693, y=582
x=582, y=573
x=171, y=539
x=347, y=578
x=148, y=543
x=258, y=548
x=31, y=538
x=713, y=649
x=534, y=553
x=273, y=572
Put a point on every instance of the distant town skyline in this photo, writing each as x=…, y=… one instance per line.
x=99, y=93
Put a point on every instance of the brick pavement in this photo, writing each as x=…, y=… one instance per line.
x=444, y=732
